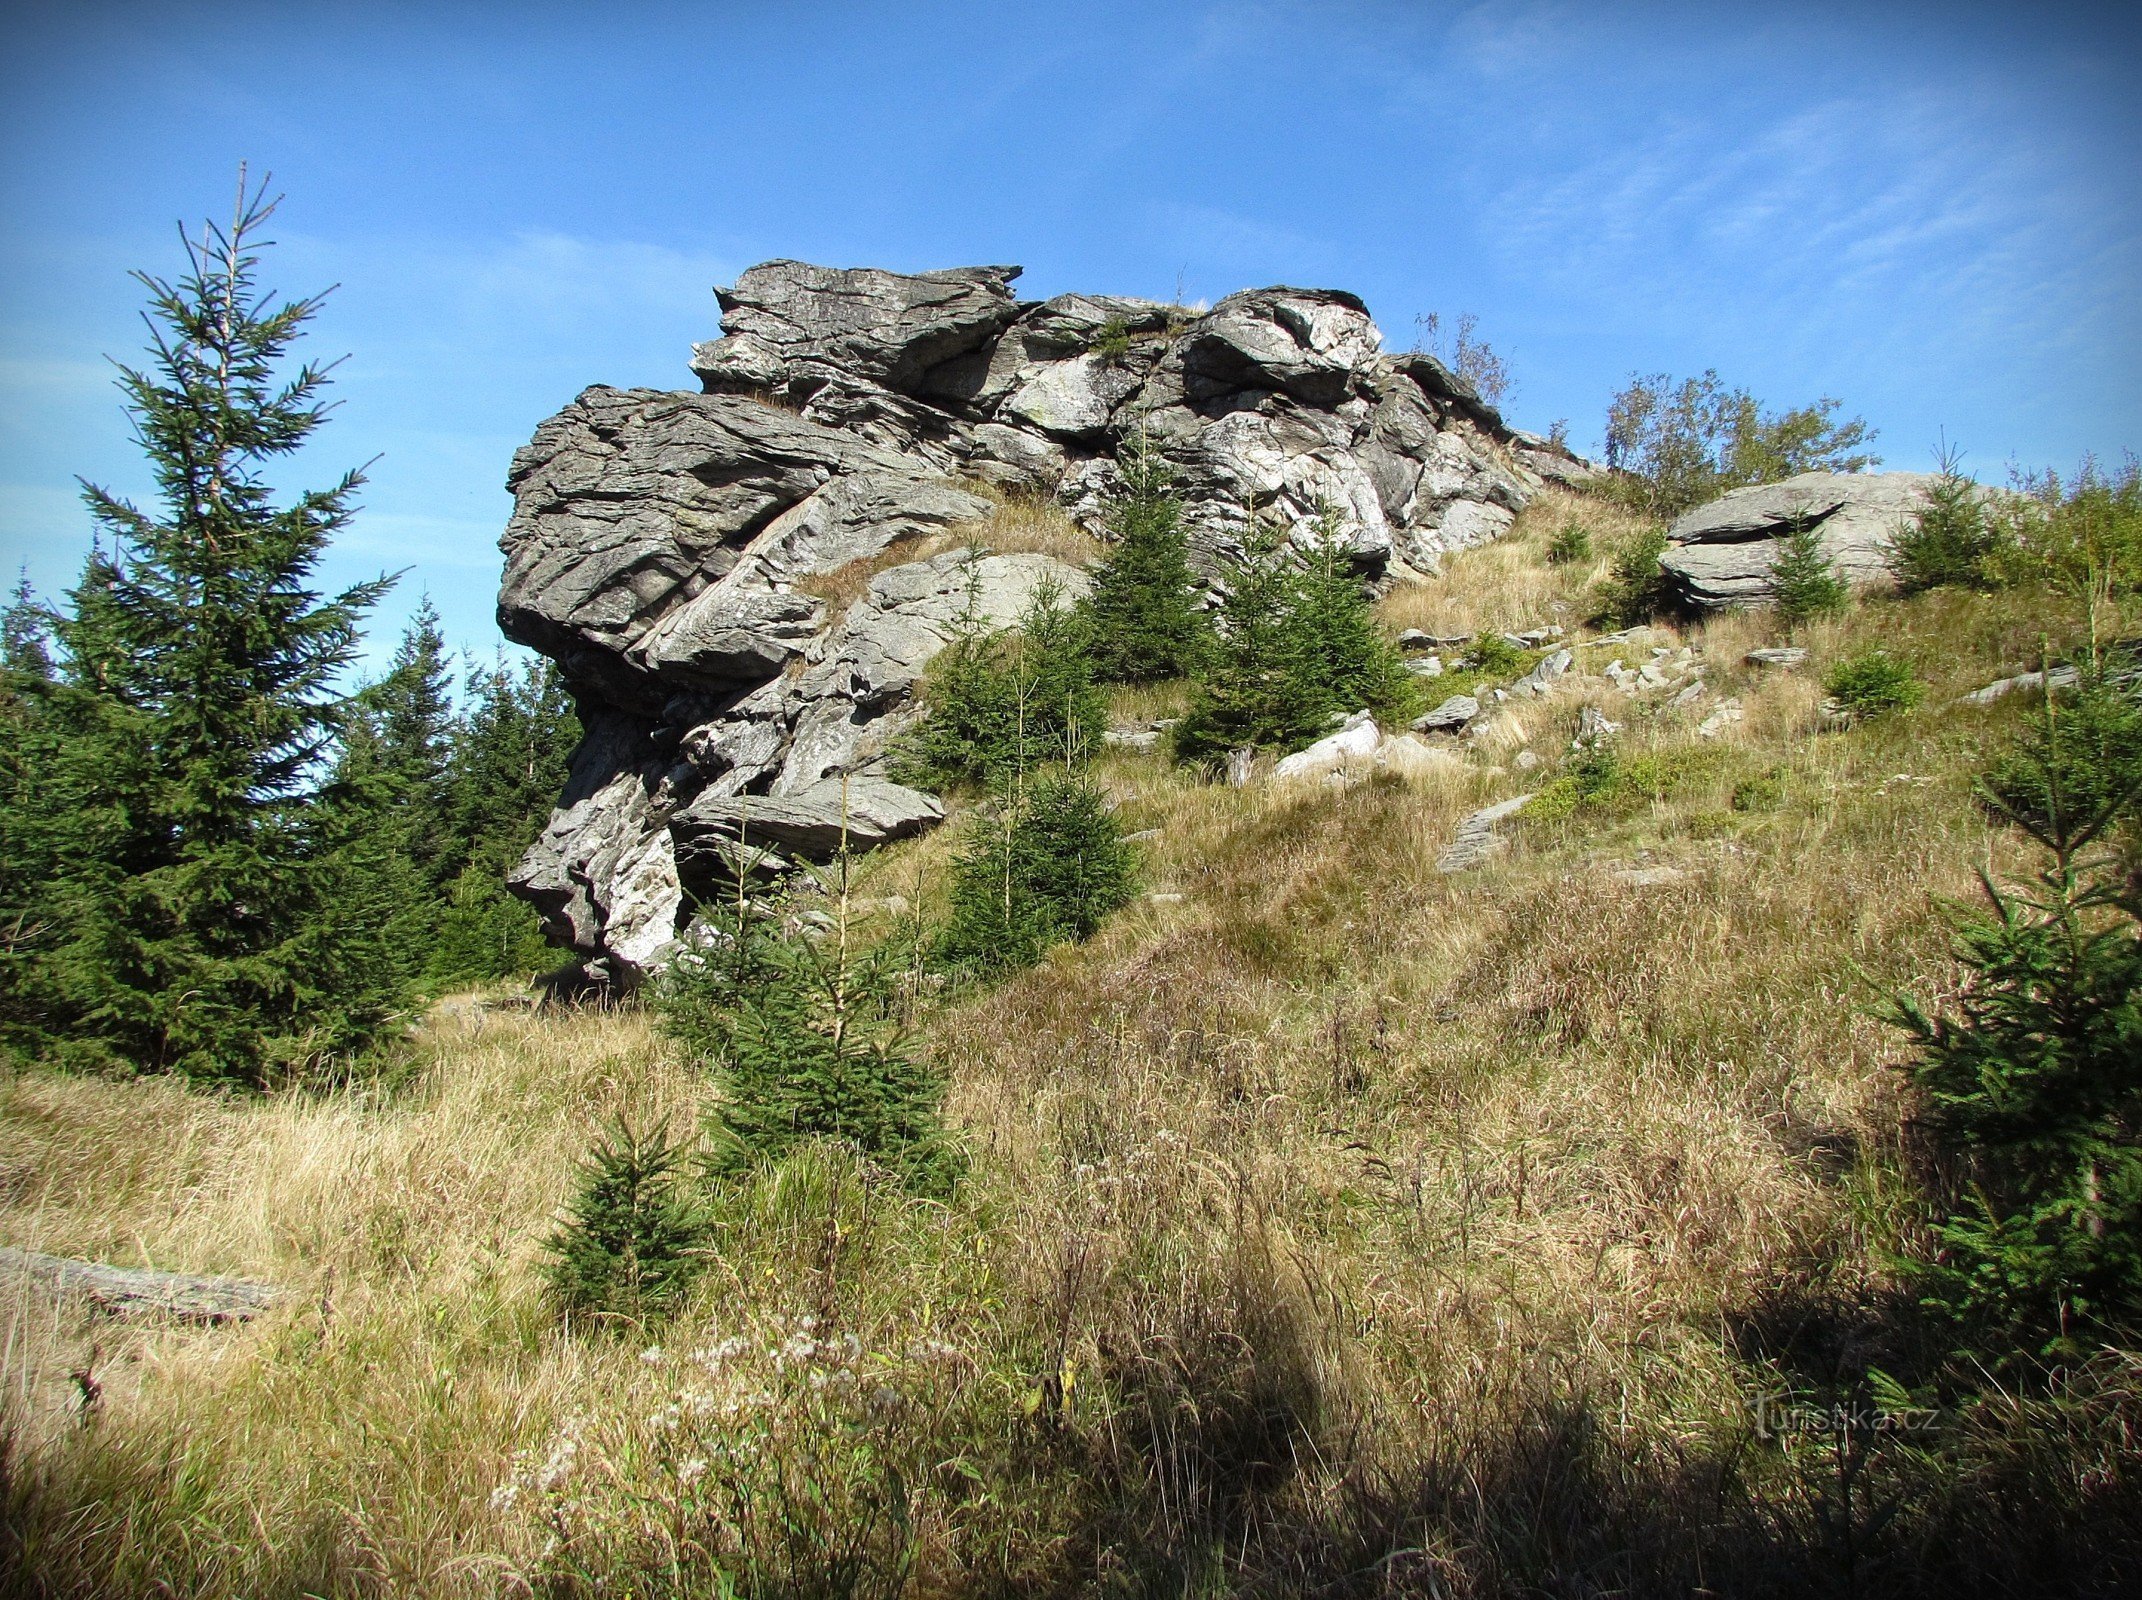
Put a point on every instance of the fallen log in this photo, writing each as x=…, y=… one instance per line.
x=138, y=1291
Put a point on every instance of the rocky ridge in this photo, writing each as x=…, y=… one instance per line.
x=664, y=545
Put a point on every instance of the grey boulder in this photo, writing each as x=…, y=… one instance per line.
x=815, y=822
x=1449, y=717
x=1722, y=553
x=789, y=317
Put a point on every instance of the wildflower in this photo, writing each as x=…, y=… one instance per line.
x=691, y=1469
x=560, y=1465
x=651, y=1356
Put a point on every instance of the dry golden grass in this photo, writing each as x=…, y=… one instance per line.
x=1020, y=523
x=1029, y=522
x=1510, y=585
x=1337, y=1218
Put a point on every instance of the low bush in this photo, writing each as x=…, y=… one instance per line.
x=1493, y=656
x=1763, y=792
x=1636, y=590
x=1872, y=683
x=2082, y=535
x=1571, y=543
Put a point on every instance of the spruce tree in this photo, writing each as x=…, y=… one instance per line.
x=1951, y=540
x=1298, y=643
x=805, y=1039
x=1002, y=700
x=197, y=705
x=26, y=819
x=1803, y=579
x=1047, y=867
x=2032, y=1079
x=411, y=711
x=628, y=1245
x=511, y=749
x=1142, y=610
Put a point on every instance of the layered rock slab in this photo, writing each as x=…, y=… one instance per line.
x=1722, y=552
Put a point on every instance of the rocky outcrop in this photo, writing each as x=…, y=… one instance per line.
x=141, y=1291
x=667, y=549
x=1723, y=552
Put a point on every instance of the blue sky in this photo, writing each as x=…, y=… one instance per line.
x=1934, y=214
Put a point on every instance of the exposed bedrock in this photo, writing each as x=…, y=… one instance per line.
x=669, y=550
x=1722, y=552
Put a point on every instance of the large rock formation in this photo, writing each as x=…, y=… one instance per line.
x=664, y=546
x=1723, y=551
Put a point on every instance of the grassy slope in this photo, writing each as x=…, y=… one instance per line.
x=1339, y=1226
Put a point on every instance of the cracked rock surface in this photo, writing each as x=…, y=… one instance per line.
x=664, y=546
x=1722, y=552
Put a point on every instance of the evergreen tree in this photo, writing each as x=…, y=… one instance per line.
x=411, y=712
x=1002, y=700
x=26, y=820
x=1636, y=589
x=511, y=750
x=1338, y=637
x=197, y=707
x=805, y=1040
x=628, y=1245
x=1953, y=538
x=2032, y=1083
x=1142, y=611
x=1298, y=642
x=510, y=759
x=1048, y=867
x=1803, y=579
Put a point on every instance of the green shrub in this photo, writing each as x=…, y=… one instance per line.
x=1111, y=341
x=1493, y=656
x=1802, y=578
x=1637, y=589
x=1764, y=792
x=1596, y=771
x=1872, y=684
x=2082, y=535
x=1571, y=543
x=1141, y=615
x=628, y=1245
x=1298, y=644
x=1953, y=540
x=1047, y=867
x=2030, y=1086
x=999, y=701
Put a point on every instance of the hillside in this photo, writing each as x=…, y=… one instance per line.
x=1335, y=1224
